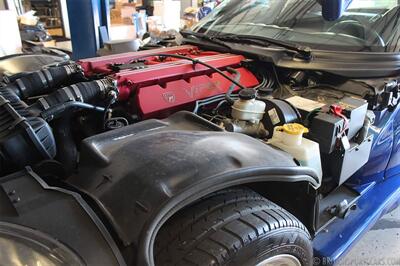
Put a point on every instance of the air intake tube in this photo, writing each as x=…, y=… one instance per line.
x=26, y=137
x=44, y=81
x=77, y=95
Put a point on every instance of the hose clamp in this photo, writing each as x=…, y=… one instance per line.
x=43, y=79
x=49, y=77
x=21, y=86
x=69, y=94
x=44, y=103
x=79, y=96
x=68, y=69
x=103, y=84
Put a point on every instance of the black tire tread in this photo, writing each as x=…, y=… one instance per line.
x=219, y=225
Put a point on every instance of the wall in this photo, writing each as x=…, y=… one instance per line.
x=374, y=3
x=2, y=5
x=185, y=4
x=169, y=11
x=10, y=39
x=189, y=3
x=64, y=15
x=10, y=5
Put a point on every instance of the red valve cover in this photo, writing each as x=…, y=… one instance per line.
x=161, y=87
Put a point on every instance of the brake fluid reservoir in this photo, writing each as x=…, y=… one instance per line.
x=289, y=138
x=247, y=108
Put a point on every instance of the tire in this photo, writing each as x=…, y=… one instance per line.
x=232, y=227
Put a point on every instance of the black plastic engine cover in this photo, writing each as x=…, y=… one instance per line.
x=24, y=63
x=24, y=140
x=135, y=172
x=62, y=215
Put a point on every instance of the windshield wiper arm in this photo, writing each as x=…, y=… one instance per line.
x=304, y=51
x=204, y=37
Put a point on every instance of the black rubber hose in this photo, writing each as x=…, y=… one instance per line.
x=67, y=152
x=196, y=61
x=232, y=87
x=63, y=108
x=81, y=92
x=44, y=81
x=228, y=95
x=10, y=95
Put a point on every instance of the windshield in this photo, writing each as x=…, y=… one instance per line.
x=366, y=26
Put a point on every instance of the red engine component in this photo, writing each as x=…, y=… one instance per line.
x=161, y=86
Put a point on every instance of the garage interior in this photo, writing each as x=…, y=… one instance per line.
x=119, y=22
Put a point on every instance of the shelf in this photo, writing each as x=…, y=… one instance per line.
x=54, y=27
x=49, y=17
x=49, y=13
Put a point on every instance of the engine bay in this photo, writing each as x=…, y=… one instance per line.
x=323, y=121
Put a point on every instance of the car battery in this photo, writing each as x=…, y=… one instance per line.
x=326, y=128
x=356, y=111
x=342, y=164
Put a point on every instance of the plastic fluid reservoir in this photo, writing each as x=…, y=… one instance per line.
x=289, y=138
x=247, y=108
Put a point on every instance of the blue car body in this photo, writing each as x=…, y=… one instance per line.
x=378, y=184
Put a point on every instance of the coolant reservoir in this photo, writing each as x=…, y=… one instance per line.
x=247, y=108
x=289, y=138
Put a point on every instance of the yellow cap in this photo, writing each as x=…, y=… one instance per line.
x=294, y=129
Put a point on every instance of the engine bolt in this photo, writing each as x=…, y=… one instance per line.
x=16, y=200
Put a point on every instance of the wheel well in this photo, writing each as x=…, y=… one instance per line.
x=217, y=227
x=300, y=199
x=297, y=197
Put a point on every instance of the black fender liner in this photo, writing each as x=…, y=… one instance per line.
x=142, y=174
x=56, y=214
x=213, y=184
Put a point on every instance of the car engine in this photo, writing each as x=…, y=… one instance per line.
x=45, y=115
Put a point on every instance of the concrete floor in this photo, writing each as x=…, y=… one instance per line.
x=380, y=246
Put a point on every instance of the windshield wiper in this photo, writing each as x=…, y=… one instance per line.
x=203, y=37
x=304, y=52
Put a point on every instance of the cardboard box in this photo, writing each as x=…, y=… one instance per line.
x=120, y=3
x=128, y=11
x=123, y=13
x=115, y=16
x=127, y=21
